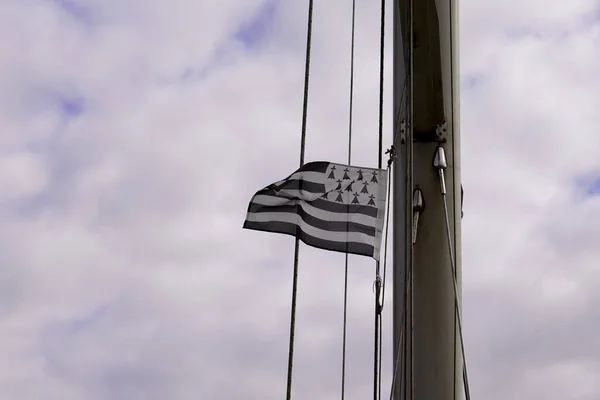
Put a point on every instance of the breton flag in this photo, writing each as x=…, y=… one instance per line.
x=330, y=206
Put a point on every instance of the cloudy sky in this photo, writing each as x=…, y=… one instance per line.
x=133, y=134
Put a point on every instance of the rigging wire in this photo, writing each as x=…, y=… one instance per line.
x=402, y=341
x=381, y=71
x=385, y=253
x=456, y=304
x=396, y=135
x=297, y=243
x=397, y=364
x=403, y=93
x=453, y=143
x=440, y=165
x=351, y=107
x=409, y=266
x=397, y=368
x=396, y=372
x=378, y=322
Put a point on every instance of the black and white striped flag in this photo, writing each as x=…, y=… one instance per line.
x=330, y=206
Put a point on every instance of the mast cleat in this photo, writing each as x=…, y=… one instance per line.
x=418, y=207
x=418, y=200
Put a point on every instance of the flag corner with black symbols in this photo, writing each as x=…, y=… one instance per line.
x=329, y=206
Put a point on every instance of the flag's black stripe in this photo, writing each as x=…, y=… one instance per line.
x=294, y=230
x=316, y=166
x=336, y=226
x=295, y=184
x=327, y=205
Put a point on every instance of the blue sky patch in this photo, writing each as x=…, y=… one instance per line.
x=75, y=10
x=588, y=185
x=83, y=322
x=255, y=30
x=251, y=33
x=71, y=106
x=593, y=187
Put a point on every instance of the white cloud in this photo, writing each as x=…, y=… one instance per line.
x=125, y=273
x=23, y=175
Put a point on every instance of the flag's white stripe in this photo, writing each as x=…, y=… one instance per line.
x=311, y=230
x=317, y=212
x=381, y=201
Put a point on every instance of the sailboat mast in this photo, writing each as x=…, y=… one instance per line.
x=426, y=115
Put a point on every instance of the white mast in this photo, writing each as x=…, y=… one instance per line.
x=426, y=101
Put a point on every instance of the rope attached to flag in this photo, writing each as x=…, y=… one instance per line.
x=378, y=340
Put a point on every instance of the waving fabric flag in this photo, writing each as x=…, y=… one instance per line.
x=330, y=206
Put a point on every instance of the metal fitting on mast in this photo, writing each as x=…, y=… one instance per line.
x=392, y=152
x=439, y=162
x=418, y=207
x=441, y=132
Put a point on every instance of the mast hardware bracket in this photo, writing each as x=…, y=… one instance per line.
x=441, y=132
x=403, y=131
x=437, y=133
